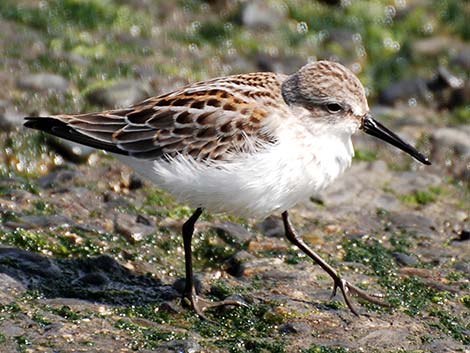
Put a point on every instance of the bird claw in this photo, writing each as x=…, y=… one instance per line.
x=348, y=288
x=200, y=305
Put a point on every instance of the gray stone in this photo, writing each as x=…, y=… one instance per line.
x=34, y=222
x=9, y=287
x=57, y=178
x=233, y=233
x=295, y=328
x=188, y=345
x=132, y=227
x=120, y=94
x=245, y=264
x=454, y=139
x=271, y=227
x=28, y=265
x=43, y=82
x=434, y=45
x=463, y=266
x=443, y=345
x=405, y=259
x=10, y=118
x=412, y=222
x=263, y=14
x=462, y=58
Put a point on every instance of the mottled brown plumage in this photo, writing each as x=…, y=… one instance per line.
x=207, y=120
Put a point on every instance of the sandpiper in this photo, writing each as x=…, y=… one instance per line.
x=249, y=145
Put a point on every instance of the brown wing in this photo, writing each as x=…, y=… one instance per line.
x=207, y=120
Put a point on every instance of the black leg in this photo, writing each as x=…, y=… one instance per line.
x=190, y=296
x=343, y=285
x=188, y=230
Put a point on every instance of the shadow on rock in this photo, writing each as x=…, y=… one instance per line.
x=99, y=279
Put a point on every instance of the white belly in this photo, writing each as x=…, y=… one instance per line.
x=254, y=185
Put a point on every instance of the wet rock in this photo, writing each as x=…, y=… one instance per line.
x=233, y=233
x=10, y=118
x=464, y=235
x=132, y=227
x=245, y=264
x=462, y=58
x=456, y=140
x=271, y=227
x=435, y=91
x=43, y=82
x=170, y=307
x=412, y=222
x=262, y=14
x=9, y=287
x=57, y=178
x=404, y=91
x=180, y=284
x=386, y=337
x=71, y=151
x=121, y=94
x=135, y=182
x=434, y=45
x=293, y=328
x=409, y=182
x=463, y=266
x=443, y=345
x=34, y=222
x=27, y=265
x=459, y=96
x=405, y=259
x=93, y=279
x=188, y=345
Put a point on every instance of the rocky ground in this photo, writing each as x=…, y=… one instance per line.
x=91, y=255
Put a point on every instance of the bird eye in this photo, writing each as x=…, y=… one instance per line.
x=334, y=107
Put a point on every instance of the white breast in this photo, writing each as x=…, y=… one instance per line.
x=255, y=185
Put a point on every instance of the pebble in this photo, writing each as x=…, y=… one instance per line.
x=463, y=266
x=188, y=345
x=462, y=58
x=456, y=140
x=233, y=233
x=405, y=259
x=43, y=82
x=28, y=266
x=120, y=94
x=245, y=264
x=295, y=328
x=57, y=178
x=412, y=222
x=263, y=14
x=464, y=235
x=133, y=228
x=434, y=45
x=271, y=227
x=35, y=222
x=10, y=118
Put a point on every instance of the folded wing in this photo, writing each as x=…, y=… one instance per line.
x=208, y=120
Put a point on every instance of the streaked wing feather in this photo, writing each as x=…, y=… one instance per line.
x=206, y=120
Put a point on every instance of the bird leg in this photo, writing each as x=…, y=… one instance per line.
x=345, y=287
x=190, y=296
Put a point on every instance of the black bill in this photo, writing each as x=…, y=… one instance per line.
x=374, y=128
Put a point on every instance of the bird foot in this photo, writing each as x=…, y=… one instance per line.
x=348, y=288
x=200, y=305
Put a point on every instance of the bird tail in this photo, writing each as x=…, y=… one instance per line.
x=58, y=126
